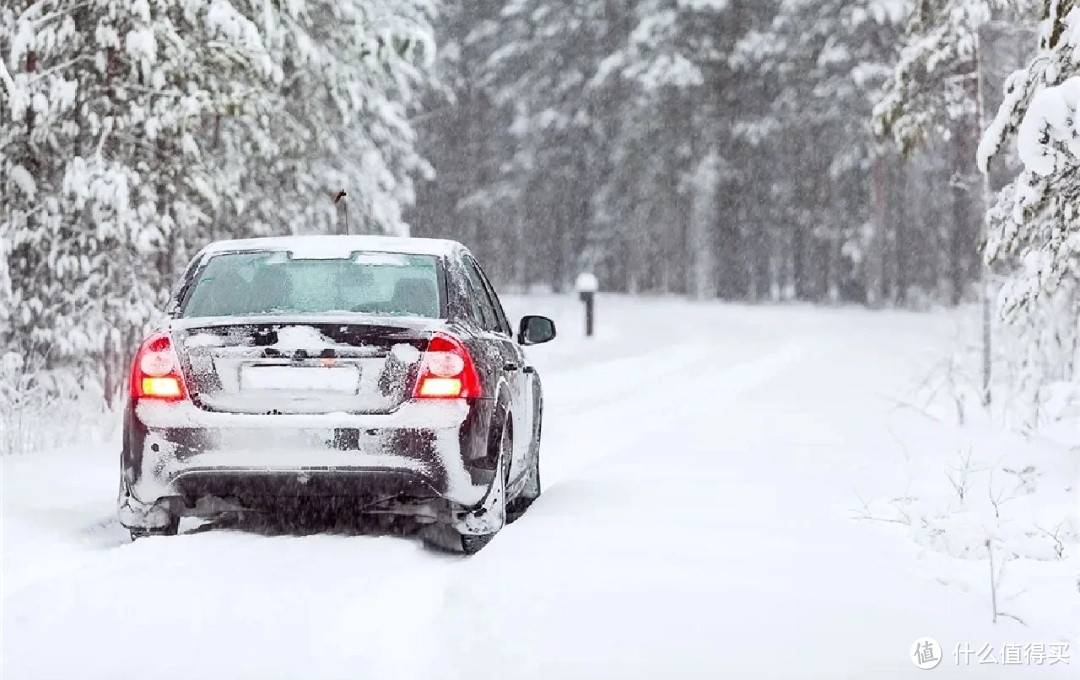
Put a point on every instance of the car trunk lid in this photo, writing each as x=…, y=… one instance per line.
x=301, y=365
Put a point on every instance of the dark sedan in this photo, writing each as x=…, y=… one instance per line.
x=379, y=373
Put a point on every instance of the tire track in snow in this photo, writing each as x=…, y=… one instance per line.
x=570, y=446
x=616, y=380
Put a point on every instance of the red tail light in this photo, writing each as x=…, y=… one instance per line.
x=447, y=371
x=156, y=372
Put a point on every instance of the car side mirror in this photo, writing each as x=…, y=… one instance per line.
x=536, y=330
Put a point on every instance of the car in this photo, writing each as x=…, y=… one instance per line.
x=378, y=373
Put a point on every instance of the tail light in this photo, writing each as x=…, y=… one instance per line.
x=447, y=371
x=156, y=372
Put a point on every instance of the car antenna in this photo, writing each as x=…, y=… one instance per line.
x=340, y=197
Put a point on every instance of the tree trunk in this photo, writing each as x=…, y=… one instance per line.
x=874, y=257
x=959, y=239
x=901, y=230
x=702, y=233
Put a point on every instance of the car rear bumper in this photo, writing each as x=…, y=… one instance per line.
x=366, y=484
x=180, y=454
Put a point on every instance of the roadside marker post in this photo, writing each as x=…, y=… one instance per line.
x=587, y=286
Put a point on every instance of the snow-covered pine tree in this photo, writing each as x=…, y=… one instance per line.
x=547, y=52
x=575, y=130
x=673, y=151
x=102, y=164
x=936, y=80
x=934, y=95
x=656, y=178
x=466, y=138
x=933, y=81
x=827, y=60
x=1033, y=222
x=132, y=132
x=1032, y=228
x=348, y=75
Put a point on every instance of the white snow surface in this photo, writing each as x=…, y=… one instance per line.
x=701, y=467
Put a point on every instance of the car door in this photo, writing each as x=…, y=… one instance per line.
x=528, y=389
x=497, y=330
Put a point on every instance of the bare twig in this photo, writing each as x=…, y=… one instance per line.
x=866, y=514
x=962, y=482
x=900, y=443
x=993, y=579
x=1059, y=544
x=901, y=404
x=1013, y=617
x=1001, y=497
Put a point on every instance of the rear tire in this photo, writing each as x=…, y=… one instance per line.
x=170, y=529
x=529, y=493
x=532, y=489
x=447, y=538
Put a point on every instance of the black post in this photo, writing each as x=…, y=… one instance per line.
x=588, y=298
x=587, y=285
x=589, y=314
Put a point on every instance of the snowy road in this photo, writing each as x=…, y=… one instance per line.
x=701, y=465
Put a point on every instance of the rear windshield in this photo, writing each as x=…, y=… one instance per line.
x=240, y=284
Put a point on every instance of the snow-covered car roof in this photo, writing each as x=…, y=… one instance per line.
x=329, y=247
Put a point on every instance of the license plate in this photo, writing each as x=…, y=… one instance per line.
x=300, y=378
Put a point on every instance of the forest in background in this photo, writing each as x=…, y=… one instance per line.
x=721, y=148
x=757, y=150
